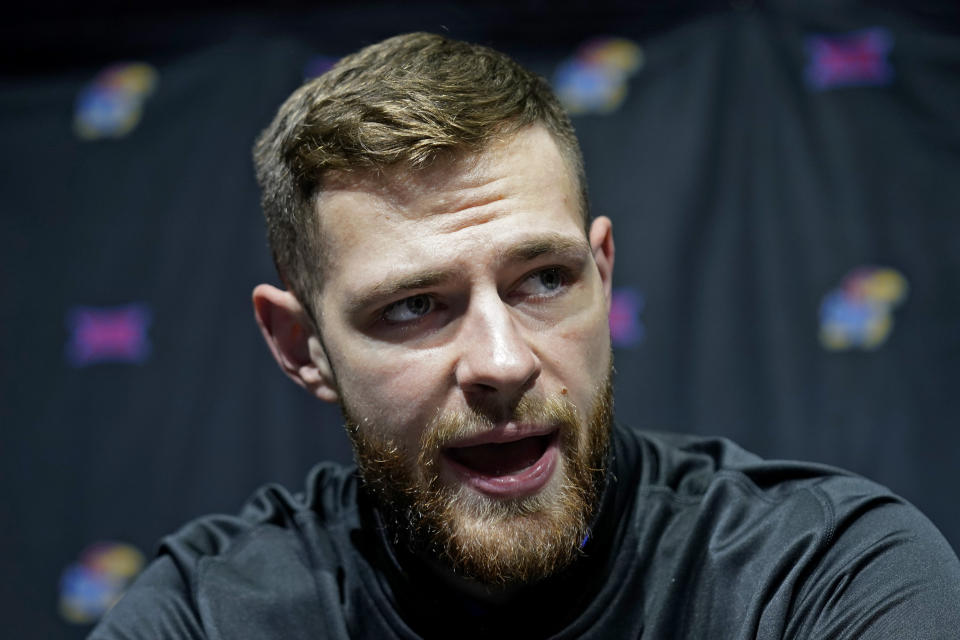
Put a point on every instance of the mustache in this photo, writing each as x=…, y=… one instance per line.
x=451, y=426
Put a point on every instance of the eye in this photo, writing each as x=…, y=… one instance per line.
x=550, y=279
x=544, y=283
x=408, y=309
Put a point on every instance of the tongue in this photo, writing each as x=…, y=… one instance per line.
x=500, y=459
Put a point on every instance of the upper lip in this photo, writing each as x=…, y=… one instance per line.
x=509, y=432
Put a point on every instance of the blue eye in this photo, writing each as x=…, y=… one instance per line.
x=409, y=309
x=544, y=283
x=551, y=279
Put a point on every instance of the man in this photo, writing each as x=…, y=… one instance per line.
x=426, y=206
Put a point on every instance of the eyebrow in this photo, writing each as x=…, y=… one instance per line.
x=525, y=251
x=391, y=288
x=553, y=243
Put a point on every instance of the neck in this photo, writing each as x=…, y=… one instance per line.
x=432, y=570
x=429, y=594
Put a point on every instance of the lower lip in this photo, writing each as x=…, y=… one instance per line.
x=515, y=485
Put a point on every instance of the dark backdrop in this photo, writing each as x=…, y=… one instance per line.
x=774, y=172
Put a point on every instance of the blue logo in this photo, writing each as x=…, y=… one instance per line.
x=112, y=104
x=859, y=313
x=594, y=80
x=318, y=65
x=93, y=584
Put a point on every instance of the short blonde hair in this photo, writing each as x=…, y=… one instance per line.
x=403, y=101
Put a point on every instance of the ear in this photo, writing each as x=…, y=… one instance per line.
x=293, y=342
x=601, y=242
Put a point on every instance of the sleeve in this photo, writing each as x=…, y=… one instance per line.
x=888, y=573
x=157, y=606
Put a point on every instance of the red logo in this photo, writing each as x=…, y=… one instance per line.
x=626, y=328
x=853, y=59
x=111, y=334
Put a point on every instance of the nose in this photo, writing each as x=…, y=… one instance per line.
x=497, y=363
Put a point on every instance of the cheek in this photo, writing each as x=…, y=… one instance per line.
x=586, y=337
x=396, y=393
x=583, y=354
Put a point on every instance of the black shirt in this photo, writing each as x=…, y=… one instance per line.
x=696, y=538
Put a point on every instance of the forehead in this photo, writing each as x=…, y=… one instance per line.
x=518, y=186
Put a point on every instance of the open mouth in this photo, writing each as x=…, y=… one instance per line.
x=506, y=468
x=501, y=458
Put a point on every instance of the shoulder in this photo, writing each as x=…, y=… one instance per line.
x=263, y=559
x=716, y=474
x=692, y=468
x=271, y=521
x=806, y=549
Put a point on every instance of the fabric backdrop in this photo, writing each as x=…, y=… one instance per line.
x=783, y=183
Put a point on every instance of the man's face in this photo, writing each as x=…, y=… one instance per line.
x=464, y=316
